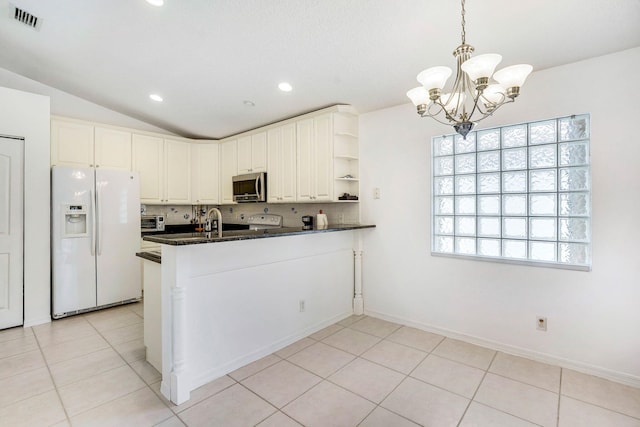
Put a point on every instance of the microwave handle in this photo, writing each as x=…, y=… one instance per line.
x=258, y=185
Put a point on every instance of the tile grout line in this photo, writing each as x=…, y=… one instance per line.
x=559, y=397
x=55, y=386
x=129, y=364
x=486, y=371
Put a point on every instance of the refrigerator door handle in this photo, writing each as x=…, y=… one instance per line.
x=98, y=220
x=93, y=222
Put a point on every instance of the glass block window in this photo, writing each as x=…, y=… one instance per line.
x=520, y=193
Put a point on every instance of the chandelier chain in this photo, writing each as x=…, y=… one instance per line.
x=464, y=34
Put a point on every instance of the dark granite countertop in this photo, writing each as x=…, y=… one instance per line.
x=233, y=235
x=155, y=256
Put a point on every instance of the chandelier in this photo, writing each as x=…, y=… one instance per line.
x=474, y=96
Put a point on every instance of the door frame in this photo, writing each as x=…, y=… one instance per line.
x=21, y=141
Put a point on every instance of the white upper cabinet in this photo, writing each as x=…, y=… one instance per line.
x=252, y=153
x=315, y=159
x=177, y=176
x=228, y=169
x=164, y=166
x=71, y=144
x=148, y=161
x=112, y=149
x=84, y=145
x=205, y=174
x=281, y=164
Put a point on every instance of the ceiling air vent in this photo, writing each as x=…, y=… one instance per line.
x=25, y=17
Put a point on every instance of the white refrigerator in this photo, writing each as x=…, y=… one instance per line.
x=95, y=227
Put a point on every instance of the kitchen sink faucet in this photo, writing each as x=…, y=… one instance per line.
x=207, y=226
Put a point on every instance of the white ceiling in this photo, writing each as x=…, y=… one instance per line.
x=205, y=57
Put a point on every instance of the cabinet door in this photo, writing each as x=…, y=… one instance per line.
x=71, y=144
x=304, y=156
x=148, y=162
x=205, y=171
x=259, y=152
x=274, y=159
x=244, y=155
x=177, y=155
x=288, y=163
x=323, y=157
x=112, y=149
x=228, y=169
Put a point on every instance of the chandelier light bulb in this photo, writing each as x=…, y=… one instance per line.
x=493, y=95
x=481, y=66
x=434, y=77
x=513, y=76
x=419, y=96
x=452, y=101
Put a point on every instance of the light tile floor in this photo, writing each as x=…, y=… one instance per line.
x=89, y=370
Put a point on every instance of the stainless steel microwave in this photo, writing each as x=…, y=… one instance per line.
x=251, y=187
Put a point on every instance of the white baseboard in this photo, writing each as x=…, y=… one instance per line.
x=620, y=377
x=219, y=371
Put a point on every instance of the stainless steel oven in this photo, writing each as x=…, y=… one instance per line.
x=251, y=187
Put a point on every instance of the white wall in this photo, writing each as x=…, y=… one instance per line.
x=593, y=317
x=67, y=105
x=27, y=115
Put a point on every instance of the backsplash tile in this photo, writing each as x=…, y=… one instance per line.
x=337, y=213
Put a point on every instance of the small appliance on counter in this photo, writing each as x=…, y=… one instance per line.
x=321, y=220
x=149, y=223
x=264, y=221
x=307, y=222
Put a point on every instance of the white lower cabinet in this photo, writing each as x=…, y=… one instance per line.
x=152, y=312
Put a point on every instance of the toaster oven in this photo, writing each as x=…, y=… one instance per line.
x=149, y=223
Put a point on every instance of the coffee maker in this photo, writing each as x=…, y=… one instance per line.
x=307, y=222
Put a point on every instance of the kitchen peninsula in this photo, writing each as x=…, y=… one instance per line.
x=230, y=300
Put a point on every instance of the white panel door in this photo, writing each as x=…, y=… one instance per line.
x=117, y=236
x=11, y=232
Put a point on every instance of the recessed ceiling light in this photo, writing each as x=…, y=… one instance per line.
x=249, y=103
x=285, y=87
x=156, y=97
x=156, y=2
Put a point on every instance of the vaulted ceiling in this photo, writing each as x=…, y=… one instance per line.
x=207, y=57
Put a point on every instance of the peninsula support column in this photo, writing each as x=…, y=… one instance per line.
x=358, y=303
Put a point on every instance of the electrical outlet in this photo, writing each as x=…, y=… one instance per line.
x=541, y=323
x=340, y=218
x=376, y=193
x=302, y=305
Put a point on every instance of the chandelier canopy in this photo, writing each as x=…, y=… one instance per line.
x=476, y=93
